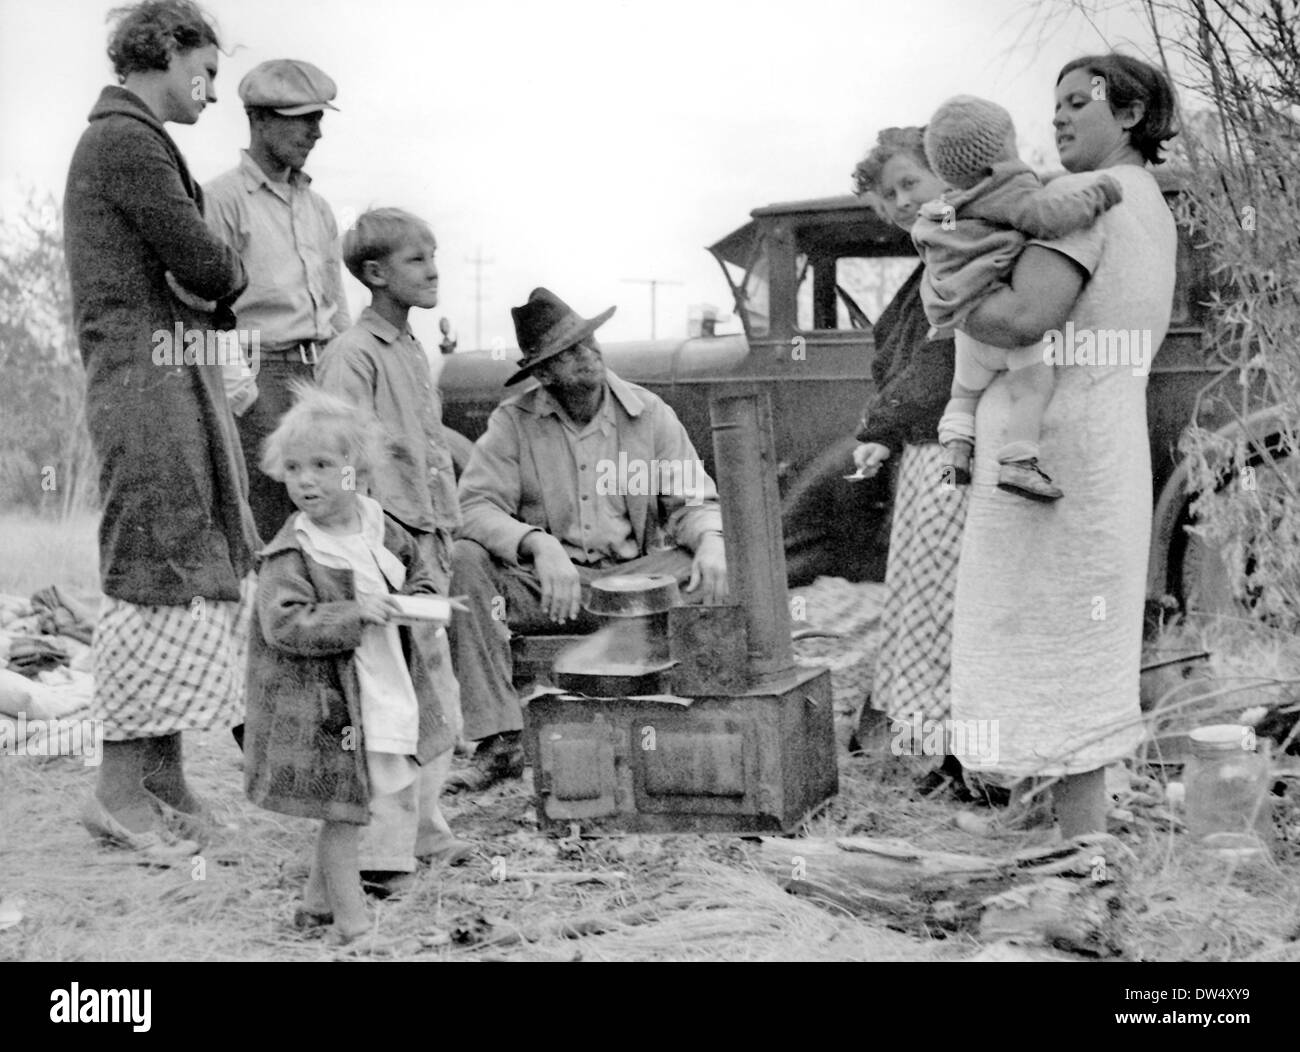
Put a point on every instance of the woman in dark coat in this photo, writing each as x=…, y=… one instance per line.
x=912, y=375
x=176, y=537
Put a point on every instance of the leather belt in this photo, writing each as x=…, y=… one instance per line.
x=305, y=351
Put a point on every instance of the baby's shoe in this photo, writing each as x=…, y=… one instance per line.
x=1026, y=478
x=956, y=463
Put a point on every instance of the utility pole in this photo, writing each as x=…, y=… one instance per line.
x=654, y=284
x=478, y=263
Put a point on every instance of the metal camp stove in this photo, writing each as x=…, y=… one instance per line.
x=676, y=718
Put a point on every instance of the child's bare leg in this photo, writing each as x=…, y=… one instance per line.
x=336, y=860
x=435, y=842
x=316, y=896
x=958, y=420
x=1030, y=389
x=957, y=435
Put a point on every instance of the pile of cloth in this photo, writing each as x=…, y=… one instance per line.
x=45, y=656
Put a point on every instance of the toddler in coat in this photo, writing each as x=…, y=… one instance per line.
x=970, y=239
x=342, y=711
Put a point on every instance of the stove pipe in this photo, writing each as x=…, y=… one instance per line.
x=745, y=458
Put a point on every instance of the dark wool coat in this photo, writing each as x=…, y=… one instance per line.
x=304, y=701
x=911, y=373
x=172, y=480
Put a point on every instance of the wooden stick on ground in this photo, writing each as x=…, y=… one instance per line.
x=1067, y=895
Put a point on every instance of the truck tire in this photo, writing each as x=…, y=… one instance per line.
x=1203, y=579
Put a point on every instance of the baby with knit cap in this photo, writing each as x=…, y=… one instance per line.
x=970, y=239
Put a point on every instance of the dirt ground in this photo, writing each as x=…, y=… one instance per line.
x=529, y=896
x=659, y=898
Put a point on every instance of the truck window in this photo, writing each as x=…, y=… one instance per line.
x=840, y=293
x=751, y=286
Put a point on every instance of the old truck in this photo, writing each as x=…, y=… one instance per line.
x=804, y=276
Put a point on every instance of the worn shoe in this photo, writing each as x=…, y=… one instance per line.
x=449, y=851
x=386, y=884
x=305, y=919
x=498, y=759
x=152, y=847
x=1026, y=478
x=956, y=464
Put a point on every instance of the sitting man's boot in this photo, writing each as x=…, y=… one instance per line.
x=498, y=758
x=1027, y=479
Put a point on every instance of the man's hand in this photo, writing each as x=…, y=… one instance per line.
x=561, y=585
x=868, y=457
x=709, y=569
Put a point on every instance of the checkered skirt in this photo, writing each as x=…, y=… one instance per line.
x=163, y=669
x=920, y=580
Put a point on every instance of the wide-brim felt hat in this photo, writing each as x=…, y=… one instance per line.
x=546, y=326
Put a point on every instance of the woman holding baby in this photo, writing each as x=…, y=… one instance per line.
x=1047, y=627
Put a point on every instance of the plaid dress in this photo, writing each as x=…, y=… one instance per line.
x=163, y=669
x=920, y=582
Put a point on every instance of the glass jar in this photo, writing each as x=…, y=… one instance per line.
x=1227, y=785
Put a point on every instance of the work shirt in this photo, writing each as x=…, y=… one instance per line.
x=601, y=529
x=287, y=238
x=533, y=469
x=376, y=366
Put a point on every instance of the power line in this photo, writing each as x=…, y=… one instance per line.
x=654, y=284
x=478, y=263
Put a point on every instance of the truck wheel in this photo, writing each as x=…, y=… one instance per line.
x=1204, y=577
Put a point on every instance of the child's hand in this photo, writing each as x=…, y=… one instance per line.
x=377, y=609
x=1111, y=188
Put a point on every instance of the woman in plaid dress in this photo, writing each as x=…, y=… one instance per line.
x=912, y=376
x=176, y=538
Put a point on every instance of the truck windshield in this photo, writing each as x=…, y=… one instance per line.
x=745, y=265
x=847, y=292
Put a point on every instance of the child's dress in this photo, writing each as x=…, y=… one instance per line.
x=390, y=713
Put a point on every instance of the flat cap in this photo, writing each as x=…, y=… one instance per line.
x=289, y=86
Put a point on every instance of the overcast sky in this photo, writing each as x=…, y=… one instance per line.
x=575, y=144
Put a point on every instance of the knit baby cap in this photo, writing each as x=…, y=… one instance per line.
x=965, y=137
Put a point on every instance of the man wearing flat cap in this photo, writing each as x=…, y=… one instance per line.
x=287, y=238
x=580, y=476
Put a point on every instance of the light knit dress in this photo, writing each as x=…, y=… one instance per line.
x=1047, y=629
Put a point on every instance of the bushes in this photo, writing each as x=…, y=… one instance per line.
x=46, y=462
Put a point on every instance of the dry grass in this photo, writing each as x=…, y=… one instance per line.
x=37, y=552
x=682, y=898
x=701, y=898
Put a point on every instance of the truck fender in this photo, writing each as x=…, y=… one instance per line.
x=1172, y=513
